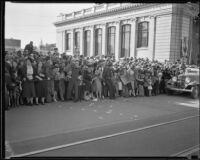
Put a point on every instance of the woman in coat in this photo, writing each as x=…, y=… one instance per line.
x=28, y=87
x=132, y=79
x=40, y=83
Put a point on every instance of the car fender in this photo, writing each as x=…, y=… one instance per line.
x=194, y=83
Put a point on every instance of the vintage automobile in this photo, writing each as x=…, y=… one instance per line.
x=186, y=82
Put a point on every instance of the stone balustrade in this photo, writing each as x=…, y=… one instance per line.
x=95, y=9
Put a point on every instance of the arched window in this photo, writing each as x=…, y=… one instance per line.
x=67, y=41
x=143, y=34
x=77, y=43
x=87, y=37
x=126, y=34
x=111, y=41
x=98, y=41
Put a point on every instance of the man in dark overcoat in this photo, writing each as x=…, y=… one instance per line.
x=74, y=81
x=107, y=75
x=29, y=48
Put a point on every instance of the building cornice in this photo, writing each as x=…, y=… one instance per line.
x=118, y=20
x=104, y=13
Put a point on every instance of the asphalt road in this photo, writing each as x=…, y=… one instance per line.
x=87, y=128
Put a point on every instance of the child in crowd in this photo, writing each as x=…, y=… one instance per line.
x=97, y=87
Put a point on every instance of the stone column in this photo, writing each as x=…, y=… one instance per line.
x=117, y=40
x=133, y=42
x=63, y=41
x=152, y=37
x=104, y=39
x=92, y=41
x=59, y=40
x=72, y=42
x=81, y=41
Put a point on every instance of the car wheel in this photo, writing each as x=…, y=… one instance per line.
x=195, y=92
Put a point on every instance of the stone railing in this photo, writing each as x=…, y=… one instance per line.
x=100, y=7
x=95, y=9
x=78, y=14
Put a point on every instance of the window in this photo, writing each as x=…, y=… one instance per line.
x=87, y=35
x=77, y=43
x=98, y=41
x=143, y=34
x=68, y=40
x=111, y=41
x=126, y=34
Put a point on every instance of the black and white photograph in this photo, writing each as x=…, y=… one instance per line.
x=101, y=79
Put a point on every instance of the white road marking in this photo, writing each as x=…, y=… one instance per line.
x=187, y=151
x=102, y=137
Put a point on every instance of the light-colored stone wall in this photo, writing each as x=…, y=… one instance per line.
x=163, y=37
x=167, y=26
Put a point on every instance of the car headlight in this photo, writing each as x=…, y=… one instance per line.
x=174, y=79
x=187, y=80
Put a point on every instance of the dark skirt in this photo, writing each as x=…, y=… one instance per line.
x=41, y=89
x=129, y=86
x=28, y=89
x=88, y=86
x=50, y=90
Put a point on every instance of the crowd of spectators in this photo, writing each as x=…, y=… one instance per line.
x=32, y=78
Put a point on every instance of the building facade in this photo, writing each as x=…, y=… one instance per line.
x=12, y=45
x=140, y=30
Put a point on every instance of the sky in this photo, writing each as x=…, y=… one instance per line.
x=34, y=21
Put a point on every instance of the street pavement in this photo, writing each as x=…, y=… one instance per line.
x=144, y=126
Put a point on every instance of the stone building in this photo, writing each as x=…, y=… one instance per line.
x=158, y=31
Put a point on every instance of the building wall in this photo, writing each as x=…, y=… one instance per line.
x=175, y=46
x=167, y=26
x=141, y=14
x=185, y=26
x=163, y=37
